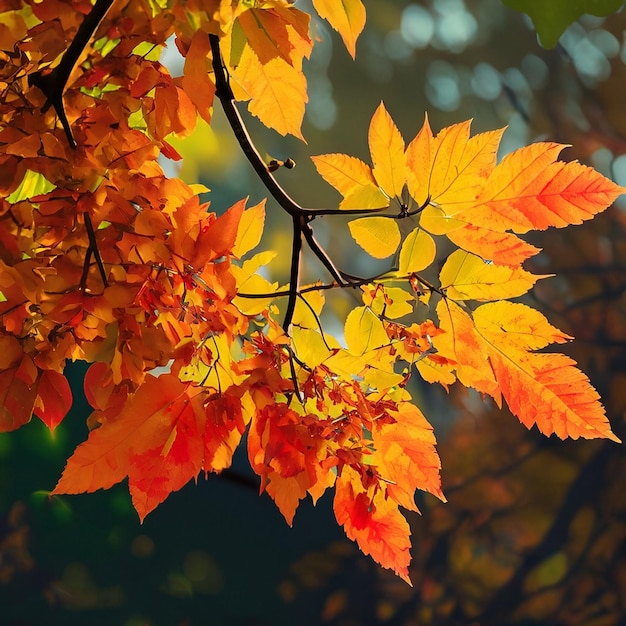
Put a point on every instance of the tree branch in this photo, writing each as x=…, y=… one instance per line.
x=53, y=83
x=294, y=273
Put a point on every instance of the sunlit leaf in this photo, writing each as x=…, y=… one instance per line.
x=465, y=276
x=364, y=331
x=378, y=236
x=417, y=252
x=347, y=17
x=387, y=151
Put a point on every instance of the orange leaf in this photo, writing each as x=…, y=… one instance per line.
x=197, y=81
x=549, y=391
x=218, y=238
x=374, y=522
x=155, y=441
x=54, y=398
x=406, y=457
x=461, y=343
x=543, y=389
x=283, y=452
x=501, y=248
x=530, y=190
x=277, y=31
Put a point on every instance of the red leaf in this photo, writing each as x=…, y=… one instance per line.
x=54, y=398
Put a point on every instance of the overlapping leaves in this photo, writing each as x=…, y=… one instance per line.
x=105, y=259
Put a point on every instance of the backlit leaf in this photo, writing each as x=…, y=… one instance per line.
x=364, y=331
x=250, y=229
x=347, y=17
x=466, y=276
x=378, y=236
x=375, y=523
x=530, y=190
x=417, y=252
x=353, y=179
x=54, y=398
x=387, y=151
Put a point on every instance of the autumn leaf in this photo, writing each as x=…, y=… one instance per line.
x=347, y=17
x=406, y=457
x=364, y=331
x=465, y=276
x=276, y=90
x=529, y=189
x=542, y=389
x=387, y=151
x=374, y=522
x=155, y=441
x=54, y=398
x=417, y=252
x=378, y=236
x=249, y=230
x=353, y=179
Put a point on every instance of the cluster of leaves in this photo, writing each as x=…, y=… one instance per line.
x=105, y=259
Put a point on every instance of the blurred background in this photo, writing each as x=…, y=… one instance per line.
x=534, y=531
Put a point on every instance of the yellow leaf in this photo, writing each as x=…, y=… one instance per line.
x=370, y=197
x=277, y=91
x=516, y=326
x=363, y=331
x=33, y=184
x=387, y=151
x=417, y=252
x=250, y=229
x=466, y=276
x=347, y=17
x=458, y=169
x=378, y=236
x=353, y=179
x=309, y=346
x=392, y=302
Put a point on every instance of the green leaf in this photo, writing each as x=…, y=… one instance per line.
x=552, y=17
x=33, y=184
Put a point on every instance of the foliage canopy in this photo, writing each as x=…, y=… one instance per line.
x=105, y=259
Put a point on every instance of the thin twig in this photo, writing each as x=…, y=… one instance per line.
x=93, y=249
